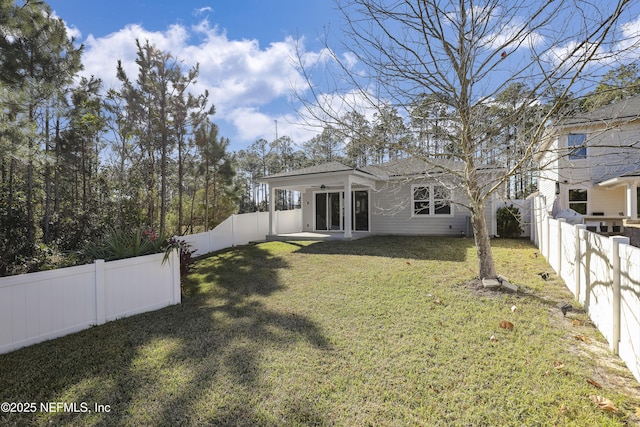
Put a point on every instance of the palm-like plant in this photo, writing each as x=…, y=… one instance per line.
x=119, y=244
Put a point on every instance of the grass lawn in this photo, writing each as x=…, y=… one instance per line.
x=383, y=331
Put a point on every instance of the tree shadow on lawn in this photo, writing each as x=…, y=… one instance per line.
x=196, y=363
x=434, y=248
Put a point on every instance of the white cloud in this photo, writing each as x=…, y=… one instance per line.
x=244, y=79
x=629, y=42
x=202, y=10
x=514, y=36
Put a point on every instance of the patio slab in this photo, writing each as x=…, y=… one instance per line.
x=306, y=235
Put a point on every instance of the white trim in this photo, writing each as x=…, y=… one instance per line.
x=432, y=213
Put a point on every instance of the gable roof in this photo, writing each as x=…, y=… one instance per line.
x=399, y=168
x=329, y=167
x=624, y=110
x=411, y=166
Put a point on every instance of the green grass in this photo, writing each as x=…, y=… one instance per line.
x=381, y=331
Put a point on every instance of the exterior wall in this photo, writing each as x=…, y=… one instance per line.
x=307, y=210
x=610, y=152
x=548, y=176
x=609, y=201
x=391, y=213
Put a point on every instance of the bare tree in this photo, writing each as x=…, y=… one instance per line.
x=461, y=54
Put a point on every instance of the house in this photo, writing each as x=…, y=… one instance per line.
x=591, y=163
x=402, y=197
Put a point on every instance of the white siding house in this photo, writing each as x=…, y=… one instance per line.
x=403, y=197
x=591, y=164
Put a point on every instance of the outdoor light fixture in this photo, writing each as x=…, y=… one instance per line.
x=322, y=187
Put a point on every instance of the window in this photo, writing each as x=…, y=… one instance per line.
x=578, y=200
x=430, y=200
x=577, y=147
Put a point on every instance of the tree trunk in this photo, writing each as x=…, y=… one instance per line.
x=47, y=183
x=180, y=184
x=163, y=186
x=486, y=265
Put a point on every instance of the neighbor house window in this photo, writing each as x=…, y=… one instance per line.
x=578, y=200
x=430, y=200
x=577, y=147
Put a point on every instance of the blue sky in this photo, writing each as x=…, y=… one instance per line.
x=244, y=49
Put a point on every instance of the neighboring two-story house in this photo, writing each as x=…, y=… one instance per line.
x=591, y=163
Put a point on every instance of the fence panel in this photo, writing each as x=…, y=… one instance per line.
x=220, y=237
x=597, y=273
x=137, y=285
x=599, y=298
x=40, y=306
x=242, y=229
x=289, y=221
x=630, y=307
x=568, y=254
x=552, y=248
x=246, y=228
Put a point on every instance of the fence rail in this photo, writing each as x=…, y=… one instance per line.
x=40, y=306
x=603, y=273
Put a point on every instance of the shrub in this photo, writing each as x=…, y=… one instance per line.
x=120, y=244
x=186, y=253
x=508, y=219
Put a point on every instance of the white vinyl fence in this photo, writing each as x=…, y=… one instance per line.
x=604, y=275
x=40, y=306
x=242, y=229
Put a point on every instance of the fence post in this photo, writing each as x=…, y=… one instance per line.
x=233, y=230
x=560, y=222
x=615, y=277
x=101, y=309
x=547, y=238
x=209, y=240
x=577, y=261
x=175, y=271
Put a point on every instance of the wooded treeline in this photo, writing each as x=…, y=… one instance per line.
x=78, y=159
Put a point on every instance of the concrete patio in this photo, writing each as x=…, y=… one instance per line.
x=328, y=235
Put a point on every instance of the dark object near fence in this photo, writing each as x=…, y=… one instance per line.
x=508, y=221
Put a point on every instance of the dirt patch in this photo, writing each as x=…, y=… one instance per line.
x=582, y=338
x=476, y=287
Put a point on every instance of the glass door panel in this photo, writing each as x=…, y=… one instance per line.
x=360, y=209
x=335, y=212
x=321, y=211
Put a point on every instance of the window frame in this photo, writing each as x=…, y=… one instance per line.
x=572, y=203
x=577, y=151
x=433, y=201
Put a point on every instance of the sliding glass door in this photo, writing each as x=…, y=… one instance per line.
x=329, y=211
